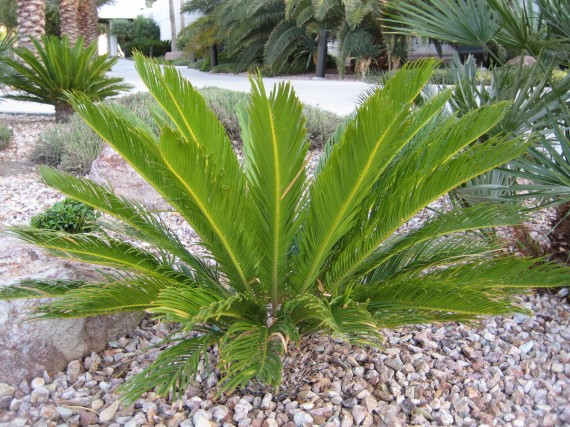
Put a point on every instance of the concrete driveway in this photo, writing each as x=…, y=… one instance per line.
x=334, y=95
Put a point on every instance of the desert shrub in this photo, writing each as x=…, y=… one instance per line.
x=294, y=255
x=227, y=68
x=321, y=124
x=69, y=215
x=226, y=104
x=196, y=65
x=5, y=136
x=71, y=146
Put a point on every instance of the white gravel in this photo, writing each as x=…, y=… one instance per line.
x=506, y=371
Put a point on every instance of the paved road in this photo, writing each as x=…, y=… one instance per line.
x=334, y=95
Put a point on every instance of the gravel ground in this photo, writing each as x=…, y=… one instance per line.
x=511, y=371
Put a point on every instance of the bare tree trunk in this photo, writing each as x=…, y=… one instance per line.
x=88, y=20
x=182, y=22
x=173, y=32
x=31, y=21
x=68, y=22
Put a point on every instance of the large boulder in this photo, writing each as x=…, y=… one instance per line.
x=111, y=170
x=29, y=348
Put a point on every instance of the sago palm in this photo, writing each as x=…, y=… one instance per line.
x=55, y=66
x=289, y=255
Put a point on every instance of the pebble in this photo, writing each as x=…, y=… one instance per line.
x=107, y=414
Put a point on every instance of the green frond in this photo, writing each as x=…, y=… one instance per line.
x=468, y=22
x=463, y=292
x=322, y=7
x=27, y=289
x=148, y=227
x=122, y=295
x=443, y=160
x=275, y=152
x=281, y=43
x=340, y=316
x=174, y=369
x=182, y=305
x=90, y=248
x=239, y=307
x=350, y=171
x=171, y=172
x=247, y=351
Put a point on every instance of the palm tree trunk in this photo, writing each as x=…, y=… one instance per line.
x=31, y=21
x=68, y=22
x=172, y=26
x=88, y=20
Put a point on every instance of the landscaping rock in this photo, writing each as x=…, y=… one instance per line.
x=27, y=349
x=111, y=170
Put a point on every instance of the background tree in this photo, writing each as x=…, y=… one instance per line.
x=88, y=18
x=69, y=19
x=31, y=21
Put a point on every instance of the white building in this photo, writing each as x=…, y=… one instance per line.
x=130, y=9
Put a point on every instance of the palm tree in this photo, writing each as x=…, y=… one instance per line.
x=88, y=19
x=69, y=19
x=355, y=24
x=293, y=255
x=31, y=21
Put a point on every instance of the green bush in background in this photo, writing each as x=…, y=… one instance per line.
x=73, y=146
x=69, y=215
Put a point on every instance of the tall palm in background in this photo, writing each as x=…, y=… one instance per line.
x=31, y=21
x=354, y=24
x=69, y=19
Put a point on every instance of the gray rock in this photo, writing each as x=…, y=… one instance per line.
x=395, y=363
x=302, y=419
x=219, y=412
x=107, y=414
x=6, y=390
x=359, y=413
x=241, y=410
x=201, y=418
x=111, y=170
x=27, y=349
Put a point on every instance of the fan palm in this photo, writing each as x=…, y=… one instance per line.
x=293, y=255
x=523, y=26
x=55, y=66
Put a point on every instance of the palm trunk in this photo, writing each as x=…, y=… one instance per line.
x=88, y=20
x=68, y=19
x=31, y=21
x=172, y=26
x=63, y=112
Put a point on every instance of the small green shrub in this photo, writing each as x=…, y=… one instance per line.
x=71, y=147
x=69, y=215
x=196, y=65
x=181, y=62
x=226, y=104
x=321, y=124
x=224, y=68
x=5, y=136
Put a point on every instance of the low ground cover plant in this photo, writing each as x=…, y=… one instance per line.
x=69, y=215
x=293, y=255
x=73, y=146
x=5, y=136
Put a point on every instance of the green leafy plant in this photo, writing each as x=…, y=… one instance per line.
x=58, y=67
x=69, y=215
x=5, y=136
x=294, y=255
